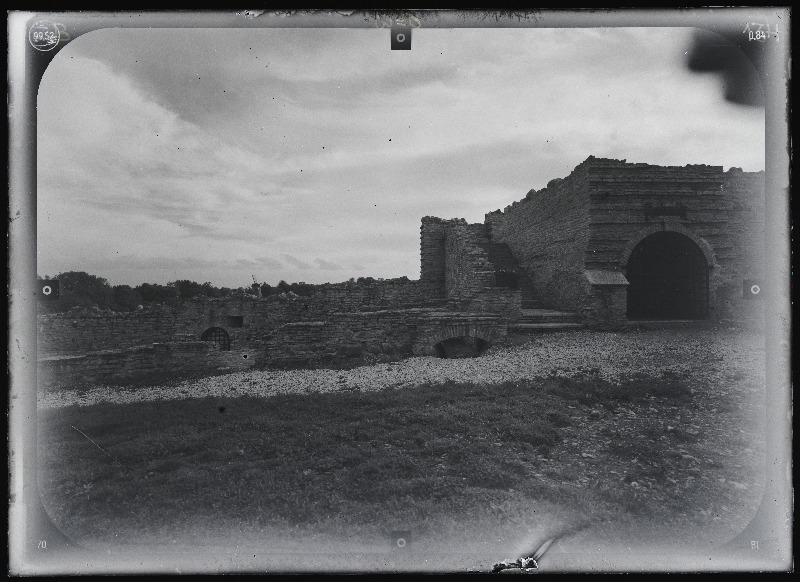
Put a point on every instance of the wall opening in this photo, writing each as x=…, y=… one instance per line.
x=217, y=335
x=668, y=276
x=461, y=347
x=507, y=279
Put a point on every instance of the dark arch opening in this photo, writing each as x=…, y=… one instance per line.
x=217, y=335
x=461, y=347
x=668, y=277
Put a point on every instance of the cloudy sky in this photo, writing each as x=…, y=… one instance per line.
x=311, y=154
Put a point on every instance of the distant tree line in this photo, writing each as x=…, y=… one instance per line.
x=79, y=289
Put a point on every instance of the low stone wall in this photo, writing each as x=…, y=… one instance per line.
x=343, y=336
x=438, y=327
x=370, y=296
x=605, y=300
x=81, y=331
x=154, y=362
x=506, y=303
x=246, y=319
x=391, y=332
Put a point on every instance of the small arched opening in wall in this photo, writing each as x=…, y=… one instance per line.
x=461, y=347
x=668, y=276
x=217, y=335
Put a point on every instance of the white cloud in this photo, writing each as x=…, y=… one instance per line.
x=270, y=149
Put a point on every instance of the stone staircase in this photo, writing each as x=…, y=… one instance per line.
x=534, y=317
x=503, y=260
x=538, y=320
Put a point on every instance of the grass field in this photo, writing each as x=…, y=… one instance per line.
x=480, y=466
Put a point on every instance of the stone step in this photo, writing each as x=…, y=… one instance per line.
x=537, y=312
x=546, y=316
x=528, y=303
x=539, y=327
x=532, y=321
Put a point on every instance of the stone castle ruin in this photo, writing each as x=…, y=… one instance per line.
x=612, y=245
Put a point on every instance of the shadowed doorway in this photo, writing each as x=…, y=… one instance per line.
x=668, y=277
x=461, y=347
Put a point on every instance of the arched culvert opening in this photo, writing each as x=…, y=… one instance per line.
x=668, y=276
x=461, y=347
x=217, y=335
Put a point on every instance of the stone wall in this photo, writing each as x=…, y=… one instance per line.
x=592, y=220
x=346, y=336
x=747, y=247
x=86, y=330
x=548, y=233
x=470, y=276
x=722, y=212
x=338, y=322
x=437, y=327
x=371, y=296
x=246, y=319
x=628, y=201
x=467, y=271
x=491, y=300
x=605, y=302
x=342, y=336
x=145, y=362
x=432, y=256
x=573, y=239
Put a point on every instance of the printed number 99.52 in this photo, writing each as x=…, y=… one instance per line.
x=48, y=36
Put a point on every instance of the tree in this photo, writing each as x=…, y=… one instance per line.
x=210, y=291
x=126, y=298
x=266, y=289
x=155, y=293
x=80, y=289
x=186, y=289
x=302, y=289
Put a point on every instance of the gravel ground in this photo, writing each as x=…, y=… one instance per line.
x=712, y=356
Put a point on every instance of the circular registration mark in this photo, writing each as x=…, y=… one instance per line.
x=44, y=35
x=755, y=289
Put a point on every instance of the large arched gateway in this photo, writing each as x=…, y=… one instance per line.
x=668, y=276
